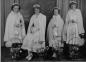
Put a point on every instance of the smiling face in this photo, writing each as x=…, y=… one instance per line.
x=16, y=9
x=55, y=11
x=73, y=6
x=36, y=10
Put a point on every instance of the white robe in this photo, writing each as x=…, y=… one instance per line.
x=73, y=29
x=11, y=31
x=35, y=33
x=55, y=29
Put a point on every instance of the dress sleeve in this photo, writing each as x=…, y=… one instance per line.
x=23, y=26
x=50, y=30
x=6, y=34
x=64, y=34
x=22, y=20
x=43, y=28
x=30, y=24
x=80, y=23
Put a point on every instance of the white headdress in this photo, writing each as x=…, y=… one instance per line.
x=56, y=8
x=73, y=2
x=36, y=5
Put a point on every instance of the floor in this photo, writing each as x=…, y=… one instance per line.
x=5, y=57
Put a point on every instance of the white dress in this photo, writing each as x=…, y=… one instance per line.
x=13, y=28
x=36, y=33
x=74, y=27
x=55, y=29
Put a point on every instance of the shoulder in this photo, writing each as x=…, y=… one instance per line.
x=33, y=16
x=69, y=11
x=20, y=14
x=42, y=15
x=78, y=10
x=51, y=20
x=59, y=16
x=10, y=15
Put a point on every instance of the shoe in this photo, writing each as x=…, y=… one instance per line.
x=29, y=57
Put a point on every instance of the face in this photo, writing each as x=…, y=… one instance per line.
x=55, y=11
x=16, y=9
x=36, y=11
x=73, y=6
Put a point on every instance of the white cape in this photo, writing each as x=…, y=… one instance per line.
x=74, y=27
x=10, y=29
x=55, y=29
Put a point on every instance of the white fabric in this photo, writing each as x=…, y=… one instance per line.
x=74, y=27
x=11, y=41
x=77, y=17
x=11, y=31
x=35, y=33
x=55, y=28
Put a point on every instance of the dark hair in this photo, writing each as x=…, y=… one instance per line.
x=56, y=9
x=36, y=8
x=70, y=5
x=14, y=6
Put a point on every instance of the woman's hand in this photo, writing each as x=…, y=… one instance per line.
x=72, y=21
x=31, y=30
x=34, y=29
x=18, y=25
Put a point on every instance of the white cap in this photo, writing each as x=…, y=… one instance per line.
x=73, y=2
x=15, y=4
x=36, y=5
x=56, y=8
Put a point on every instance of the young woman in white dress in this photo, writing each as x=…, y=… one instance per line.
x=35, y=39
x=55, y=29
x=15, y=28
x=74, y=27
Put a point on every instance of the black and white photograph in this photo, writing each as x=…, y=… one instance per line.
x=43, y=30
